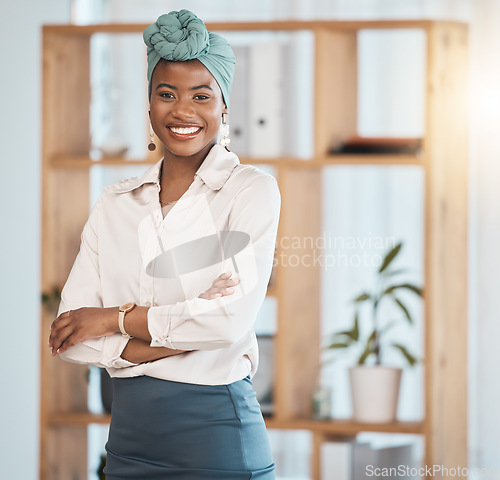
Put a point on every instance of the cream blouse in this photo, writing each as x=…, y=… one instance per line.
x=226, y=221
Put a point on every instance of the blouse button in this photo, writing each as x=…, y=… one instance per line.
x=147, y=304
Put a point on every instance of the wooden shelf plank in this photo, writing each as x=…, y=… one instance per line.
x=283, y=25
x=83, y=418
x=83, y=161
x=332, y=427
x=345, y=427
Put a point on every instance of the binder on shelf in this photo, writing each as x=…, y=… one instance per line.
x=255, y=117
x=238, y=113
x=266, y=122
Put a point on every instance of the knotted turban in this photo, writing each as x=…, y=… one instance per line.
x=181, y=36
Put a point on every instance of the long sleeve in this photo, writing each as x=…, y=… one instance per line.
x=199, y=324
x=83, y=289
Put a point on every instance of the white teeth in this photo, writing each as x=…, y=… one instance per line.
x=184, y=130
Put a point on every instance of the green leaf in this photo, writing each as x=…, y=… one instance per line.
x=371, y=338
x=391, y=273
x=413, y=288
x=411, y=359
x=369, y=348
x=406, y=286
x=344, y=336
x=348, y=336
x=402, y=306
x=334, y=346
x=362, y=298
x=355, y=328
x=391, y=255
x=366, y=353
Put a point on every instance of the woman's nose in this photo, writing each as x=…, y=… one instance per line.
x=183, y=108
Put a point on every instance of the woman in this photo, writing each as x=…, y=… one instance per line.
x=172, y=269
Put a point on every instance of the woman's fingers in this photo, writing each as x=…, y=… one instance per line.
x=225, y=280
x=224, y=277
x=59, y=336
x=224, y=285
x=62, y=330
x=221, y=286
x=209, y=295
x=78, y=325
x=57, y=326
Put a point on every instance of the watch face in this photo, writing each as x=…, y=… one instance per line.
x=127, y=307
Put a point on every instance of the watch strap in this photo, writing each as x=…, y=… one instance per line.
x=121, y=321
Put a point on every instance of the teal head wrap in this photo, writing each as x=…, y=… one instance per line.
x=181, y=36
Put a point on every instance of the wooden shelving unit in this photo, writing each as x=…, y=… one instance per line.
x=65, y=190
x=332, y=427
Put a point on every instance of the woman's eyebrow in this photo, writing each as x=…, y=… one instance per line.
x=201, y=86
x=166, y=85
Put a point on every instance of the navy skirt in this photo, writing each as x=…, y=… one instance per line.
x=162, y=429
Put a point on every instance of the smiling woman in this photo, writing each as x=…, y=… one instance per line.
x=186, y=108
x=190, y=277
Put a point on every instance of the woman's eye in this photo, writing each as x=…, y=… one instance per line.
x=166, y=95
x=201, y=97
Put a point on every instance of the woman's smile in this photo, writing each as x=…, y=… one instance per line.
x=184, y=132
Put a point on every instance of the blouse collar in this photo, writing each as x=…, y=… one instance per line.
x=214, y=172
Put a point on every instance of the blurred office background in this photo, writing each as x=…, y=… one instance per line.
x=391, y=86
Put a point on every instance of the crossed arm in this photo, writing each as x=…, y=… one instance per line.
x=85, y=323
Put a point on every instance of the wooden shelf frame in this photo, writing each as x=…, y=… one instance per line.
x=84, y=161
x=286, y=25
x=65, y=174
x=340, y=427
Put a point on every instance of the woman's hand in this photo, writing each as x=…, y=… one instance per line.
x=75, y=326
x=221, y=286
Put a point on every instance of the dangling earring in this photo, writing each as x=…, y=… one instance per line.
x=224, y=133
x=151, y=146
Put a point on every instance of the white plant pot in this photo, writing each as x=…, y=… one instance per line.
x=375, y=393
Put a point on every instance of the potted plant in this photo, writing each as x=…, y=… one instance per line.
x=374, y=386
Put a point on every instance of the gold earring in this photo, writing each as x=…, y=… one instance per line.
x=151, y=146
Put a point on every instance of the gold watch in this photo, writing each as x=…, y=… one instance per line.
x=124, y=309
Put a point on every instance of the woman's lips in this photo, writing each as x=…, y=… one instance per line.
x=184, y=133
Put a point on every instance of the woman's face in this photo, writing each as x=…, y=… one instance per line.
x=186, y=107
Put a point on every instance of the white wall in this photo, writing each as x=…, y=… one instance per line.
x=20, y=101
x=484, y=262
